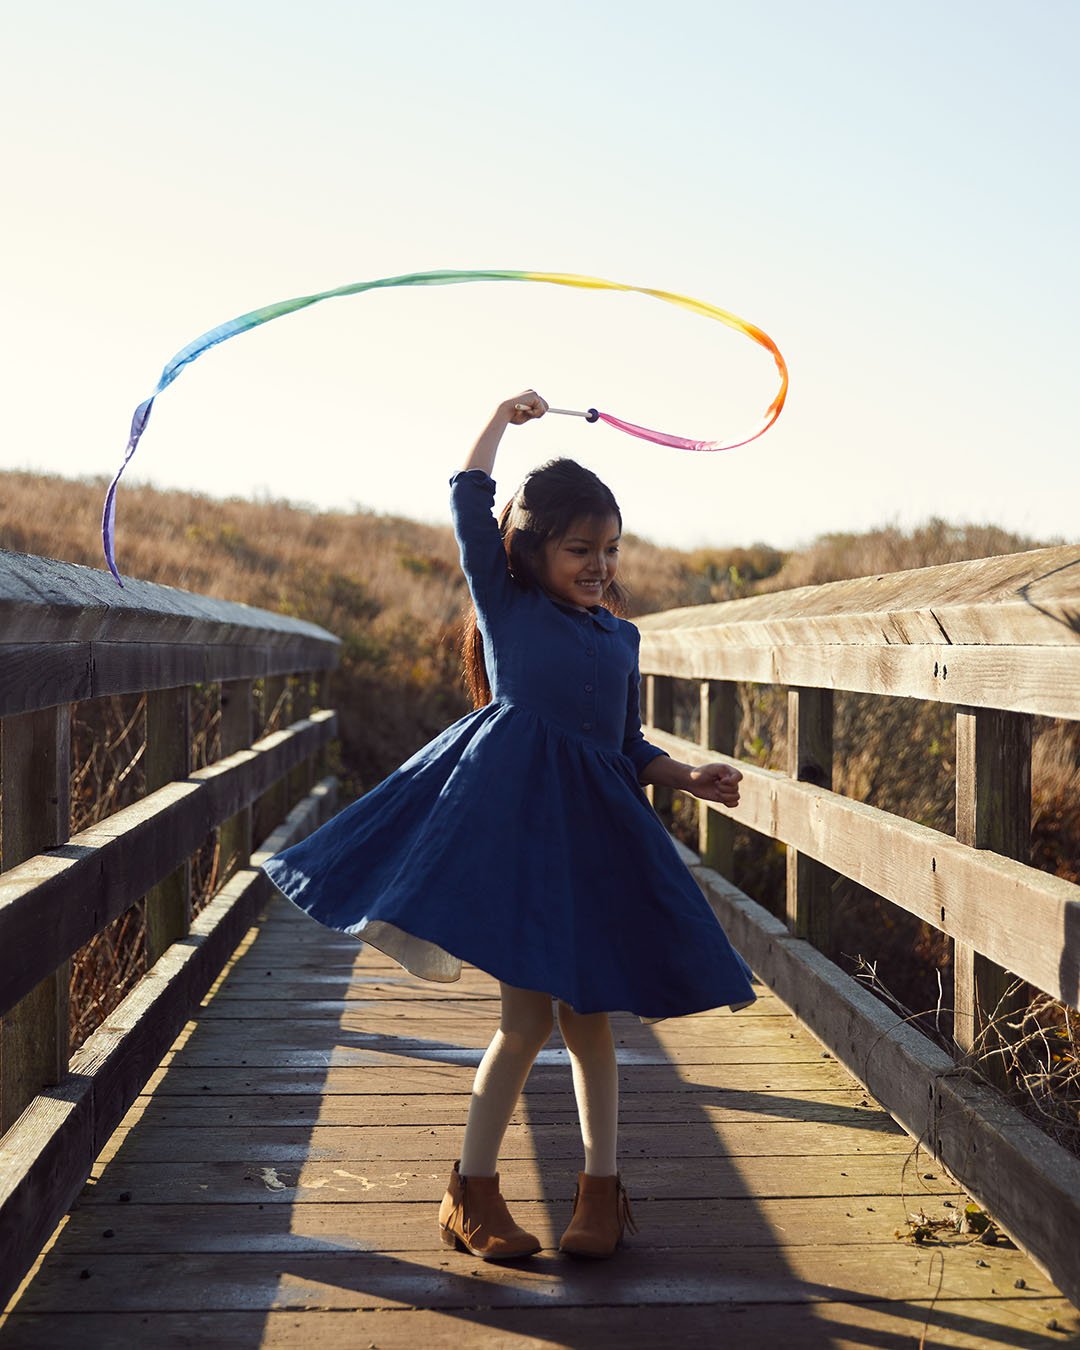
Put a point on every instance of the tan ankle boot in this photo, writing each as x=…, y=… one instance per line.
x=473, y=1217
x=601, y=1214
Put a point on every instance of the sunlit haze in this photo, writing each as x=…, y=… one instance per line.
x=889, y=191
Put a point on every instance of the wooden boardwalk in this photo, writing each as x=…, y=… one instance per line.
x=277, y=1183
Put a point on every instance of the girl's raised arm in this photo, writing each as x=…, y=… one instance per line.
x=511, y=412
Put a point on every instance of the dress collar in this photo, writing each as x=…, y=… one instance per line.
x=603, y=618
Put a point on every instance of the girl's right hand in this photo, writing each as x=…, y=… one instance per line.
x=524, y=408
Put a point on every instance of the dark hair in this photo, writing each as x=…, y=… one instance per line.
x=544, y=507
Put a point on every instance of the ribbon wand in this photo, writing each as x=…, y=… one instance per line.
x=449, y=277
x=591, y=416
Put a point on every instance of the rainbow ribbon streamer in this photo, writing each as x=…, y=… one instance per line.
x=224, y=331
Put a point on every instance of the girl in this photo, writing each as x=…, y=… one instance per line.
x=520, y=839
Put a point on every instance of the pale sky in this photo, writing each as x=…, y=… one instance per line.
x=890, y=191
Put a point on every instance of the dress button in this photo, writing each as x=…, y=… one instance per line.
x=588, y=688
x=586, y=726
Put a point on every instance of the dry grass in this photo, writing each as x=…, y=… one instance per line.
x=392, y=590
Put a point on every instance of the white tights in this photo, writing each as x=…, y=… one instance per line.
x=524, y=1026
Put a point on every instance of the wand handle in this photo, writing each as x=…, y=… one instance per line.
x=589, y=416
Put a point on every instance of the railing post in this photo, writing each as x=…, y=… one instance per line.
x=660, y=713
x=302, y=777
x=168, y=758
x=272, y=807
x=237, y=717
x=993, y=811
x=716, y=832
x=35, y=779
x=810, y=759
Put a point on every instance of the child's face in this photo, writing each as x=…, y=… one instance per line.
x=579, y=567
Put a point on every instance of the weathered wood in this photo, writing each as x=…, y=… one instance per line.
x=251, y=1110
x=1018, y=1322
x=809, y=760
x=352, y=1275
x=49, y=1150
x=660, y=712
x=35, y=774
x=1030, y=679
x=993, y=810
x=1029, y=1184
x=42, y=600
x=53, y=904
x=140, y=1229
x=41, y=675
x=1018, y=916
x=1022, y=598
x=168, y=759
x=718, y=726
x=237, y=723
x=371, y=1182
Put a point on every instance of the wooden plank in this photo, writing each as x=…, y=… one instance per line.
x=53, y=904
x=1019, y=1323
x=43, y=600
x=167, y=759
x=35, y=675
x=809, y=760
x=993, y=810
x=669, y=1106
x=285, y=1147
x=142, y=1229
x=464, y=1032
x=1022, y=598
x=49, y=1150
x=35, y=775
x=367, y=1181
x=718, y=727
x=1041, y=680
x=351, y=1277
x=1030, y=1185
x=432, y=1078
x=1017, y=916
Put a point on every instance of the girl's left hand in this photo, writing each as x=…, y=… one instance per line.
x=716, y=783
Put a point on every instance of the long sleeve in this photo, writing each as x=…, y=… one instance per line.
x=636, y=748
x=483, y=557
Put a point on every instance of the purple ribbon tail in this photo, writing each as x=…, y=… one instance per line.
x=108, y=516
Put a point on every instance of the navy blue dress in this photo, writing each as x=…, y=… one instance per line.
x=519, y=839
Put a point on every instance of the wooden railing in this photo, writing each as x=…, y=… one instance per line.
x=1000, y=639
x=69, y=634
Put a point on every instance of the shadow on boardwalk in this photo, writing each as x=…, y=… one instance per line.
x=277, y=1185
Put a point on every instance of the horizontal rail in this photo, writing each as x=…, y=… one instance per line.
x=54, y=903
x=43, y=675
x=1030, y=1184
x=1026, y=920
x=69, y=633
x=50, y=1150
x=1041, y=680
x=1026, y=599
